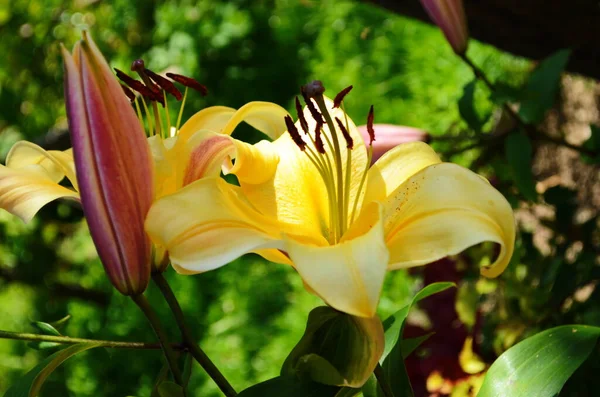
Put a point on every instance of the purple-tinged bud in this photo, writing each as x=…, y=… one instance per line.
x=390, y=136
x=450, y=17
x=113, y=165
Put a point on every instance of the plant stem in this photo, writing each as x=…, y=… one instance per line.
x=154, y=321
x=531, y=130
x=71, y=341
x=385, y=387
x=206, y=363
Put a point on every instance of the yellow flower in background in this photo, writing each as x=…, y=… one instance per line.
x=311, y=200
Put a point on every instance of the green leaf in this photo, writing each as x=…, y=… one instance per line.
x=31, y=383
x=46, y=328
x=540, y=365
x=290, y=387
x=394, y=352
x=542, y=87
x=170, y=389
x=466, y=107
x=408, y=346
x=519, y=156
x=61, y=322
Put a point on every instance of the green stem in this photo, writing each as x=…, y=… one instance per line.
x=383, y=384
x=67, y=340
x=154, y=321
x=210, y=368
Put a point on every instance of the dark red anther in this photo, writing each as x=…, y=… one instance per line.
x=294, y=133
x=301, y=117
x=311, y=107
x=345, y=133
x=314, y=89
x=138, y=65
x=165, y=84
x=188, y=82
x=319, y=139
x=138, y=86
x=337, y=101
x=130, y=94
x=370, y=129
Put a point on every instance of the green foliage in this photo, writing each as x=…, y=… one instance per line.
x=540, y=365
x=540, y=92
x=519, y=156
x=31, y=384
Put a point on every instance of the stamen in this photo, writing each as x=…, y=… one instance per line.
x=294, y=133
x=370, y=129
x=301, y=117
x=165, y=84
x=319, y=139
x=337, y=101
x=128, y=92
x=346, y=134
x=189, y=82
x=138, y=86
x=311, y=107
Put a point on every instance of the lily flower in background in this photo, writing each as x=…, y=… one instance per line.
x=390, y=135
x=113, y=166
x=311, y=199
x=450, y=17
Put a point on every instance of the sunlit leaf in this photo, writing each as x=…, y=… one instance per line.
x=540, y=365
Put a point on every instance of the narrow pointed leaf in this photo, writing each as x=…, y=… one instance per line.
x=540, y=365
x=170, y=389
x=519, y=156
x=30, y=384
x=46, y=328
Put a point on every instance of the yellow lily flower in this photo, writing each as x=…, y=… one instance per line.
x=31, y=176
x=312, y=201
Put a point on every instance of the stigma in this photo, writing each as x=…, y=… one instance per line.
x=330, y=152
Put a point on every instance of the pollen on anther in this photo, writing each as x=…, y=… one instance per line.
x=311, y=106
x=370, y=128
x=294, y=133
x=345, y=133
x=165, y=84
x=138, y=86
x=337, y=101
x=301, y=117
x=188, y=82
x=130, y=94
x=319, y=139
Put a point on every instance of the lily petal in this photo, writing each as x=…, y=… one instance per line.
x=23, y=192
x=54, y=164
x=218, y=226
x=348, y=275
x=395, y=167
x=441, y=211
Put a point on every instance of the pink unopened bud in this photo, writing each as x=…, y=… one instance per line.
x=449, y=15
x=113, y=166
x=388, y=136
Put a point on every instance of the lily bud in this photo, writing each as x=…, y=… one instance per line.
x=388, y=136
x=449, y=15
x=336, y=349
x=113, y=166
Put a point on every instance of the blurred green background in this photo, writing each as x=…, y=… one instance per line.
x=249, y=314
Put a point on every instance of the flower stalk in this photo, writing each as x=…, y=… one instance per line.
x=188, y=338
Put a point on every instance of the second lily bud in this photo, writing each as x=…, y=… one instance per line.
x=449, y=15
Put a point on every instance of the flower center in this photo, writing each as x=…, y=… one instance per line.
x=325, y=152
x=154, y=89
